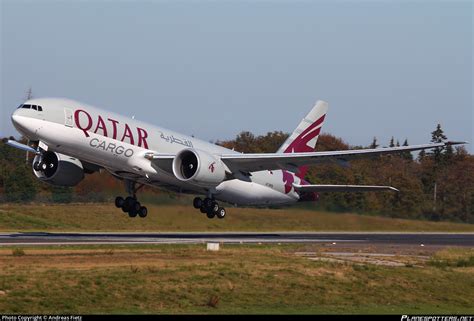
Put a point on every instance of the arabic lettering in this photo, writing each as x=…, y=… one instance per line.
x=171, y=139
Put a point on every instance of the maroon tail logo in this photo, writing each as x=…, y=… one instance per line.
x=288, y=179
x=211, y=167
x=300, y=144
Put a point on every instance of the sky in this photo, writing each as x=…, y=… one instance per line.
x=215, y=68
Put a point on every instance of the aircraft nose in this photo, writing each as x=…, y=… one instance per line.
x=16, y=118
x=21, y=123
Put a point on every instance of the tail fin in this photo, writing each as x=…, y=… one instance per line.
x=305, y=136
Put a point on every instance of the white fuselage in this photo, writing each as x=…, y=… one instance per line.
x=119, y=144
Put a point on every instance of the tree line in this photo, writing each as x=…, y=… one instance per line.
x=436, y=185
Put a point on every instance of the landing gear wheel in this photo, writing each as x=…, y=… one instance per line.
x=128, y=204
x=136, y=206
x=197, y=202
x=203, y=209
x=143, y=212
x=119, y=201
x=208, y=202
x=221, y=212
x=214, y=207
x=210, y=214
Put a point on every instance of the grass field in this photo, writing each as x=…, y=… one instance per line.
x=105, y=217
x=237, y=279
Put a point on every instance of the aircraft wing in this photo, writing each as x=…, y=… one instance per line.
x=162, y=161
x=247, y=163
x=343, y=188
x=21, y=146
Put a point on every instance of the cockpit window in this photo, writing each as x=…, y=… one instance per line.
x=35, y=107
x=20, y=106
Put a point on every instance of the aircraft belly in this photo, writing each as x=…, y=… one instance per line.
x=249, y=193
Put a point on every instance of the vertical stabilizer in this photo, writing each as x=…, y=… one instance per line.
x=305, y=136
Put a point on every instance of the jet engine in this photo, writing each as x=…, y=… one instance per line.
x=58, y=169
x=199, y=168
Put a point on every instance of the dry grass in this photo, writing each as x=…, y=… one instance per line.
x=237, y=279
x=101, y=217
x=18, y=252
x=453, y=258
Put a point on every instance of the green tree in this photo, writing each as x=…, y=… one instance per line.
x=271, y=142
x=391, y=144
x=61, y=194
x=245, y=142
x=374, y=144
x=407, y=155
x=437, y=136
x=421, y=155
x=19, y=185
x=448, y=154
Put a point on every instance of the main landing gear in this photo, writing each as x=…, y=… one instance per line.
x=130, y=204
x=209, y=207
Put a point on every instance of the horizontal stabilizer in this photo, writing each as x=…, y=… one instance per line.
x=343, y=188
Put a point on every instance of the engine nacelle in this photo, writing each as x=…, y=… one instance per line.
x=58, y=169
x=199, y=168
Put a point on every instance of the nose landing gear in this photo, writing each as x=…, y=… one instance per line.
x=209, y=207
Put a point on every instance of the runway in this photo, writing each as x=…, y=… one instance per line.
x=363, y=238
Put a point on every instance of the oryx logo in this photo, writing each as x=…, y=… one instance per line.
x=301, y=144
x=212, y=167
x=288, y=179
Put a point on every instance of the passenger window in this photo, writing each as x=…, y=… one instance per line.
x=34, y=107
x=40, y=108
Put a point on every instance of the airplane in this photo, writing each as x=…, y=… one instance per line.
x=74, y=139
